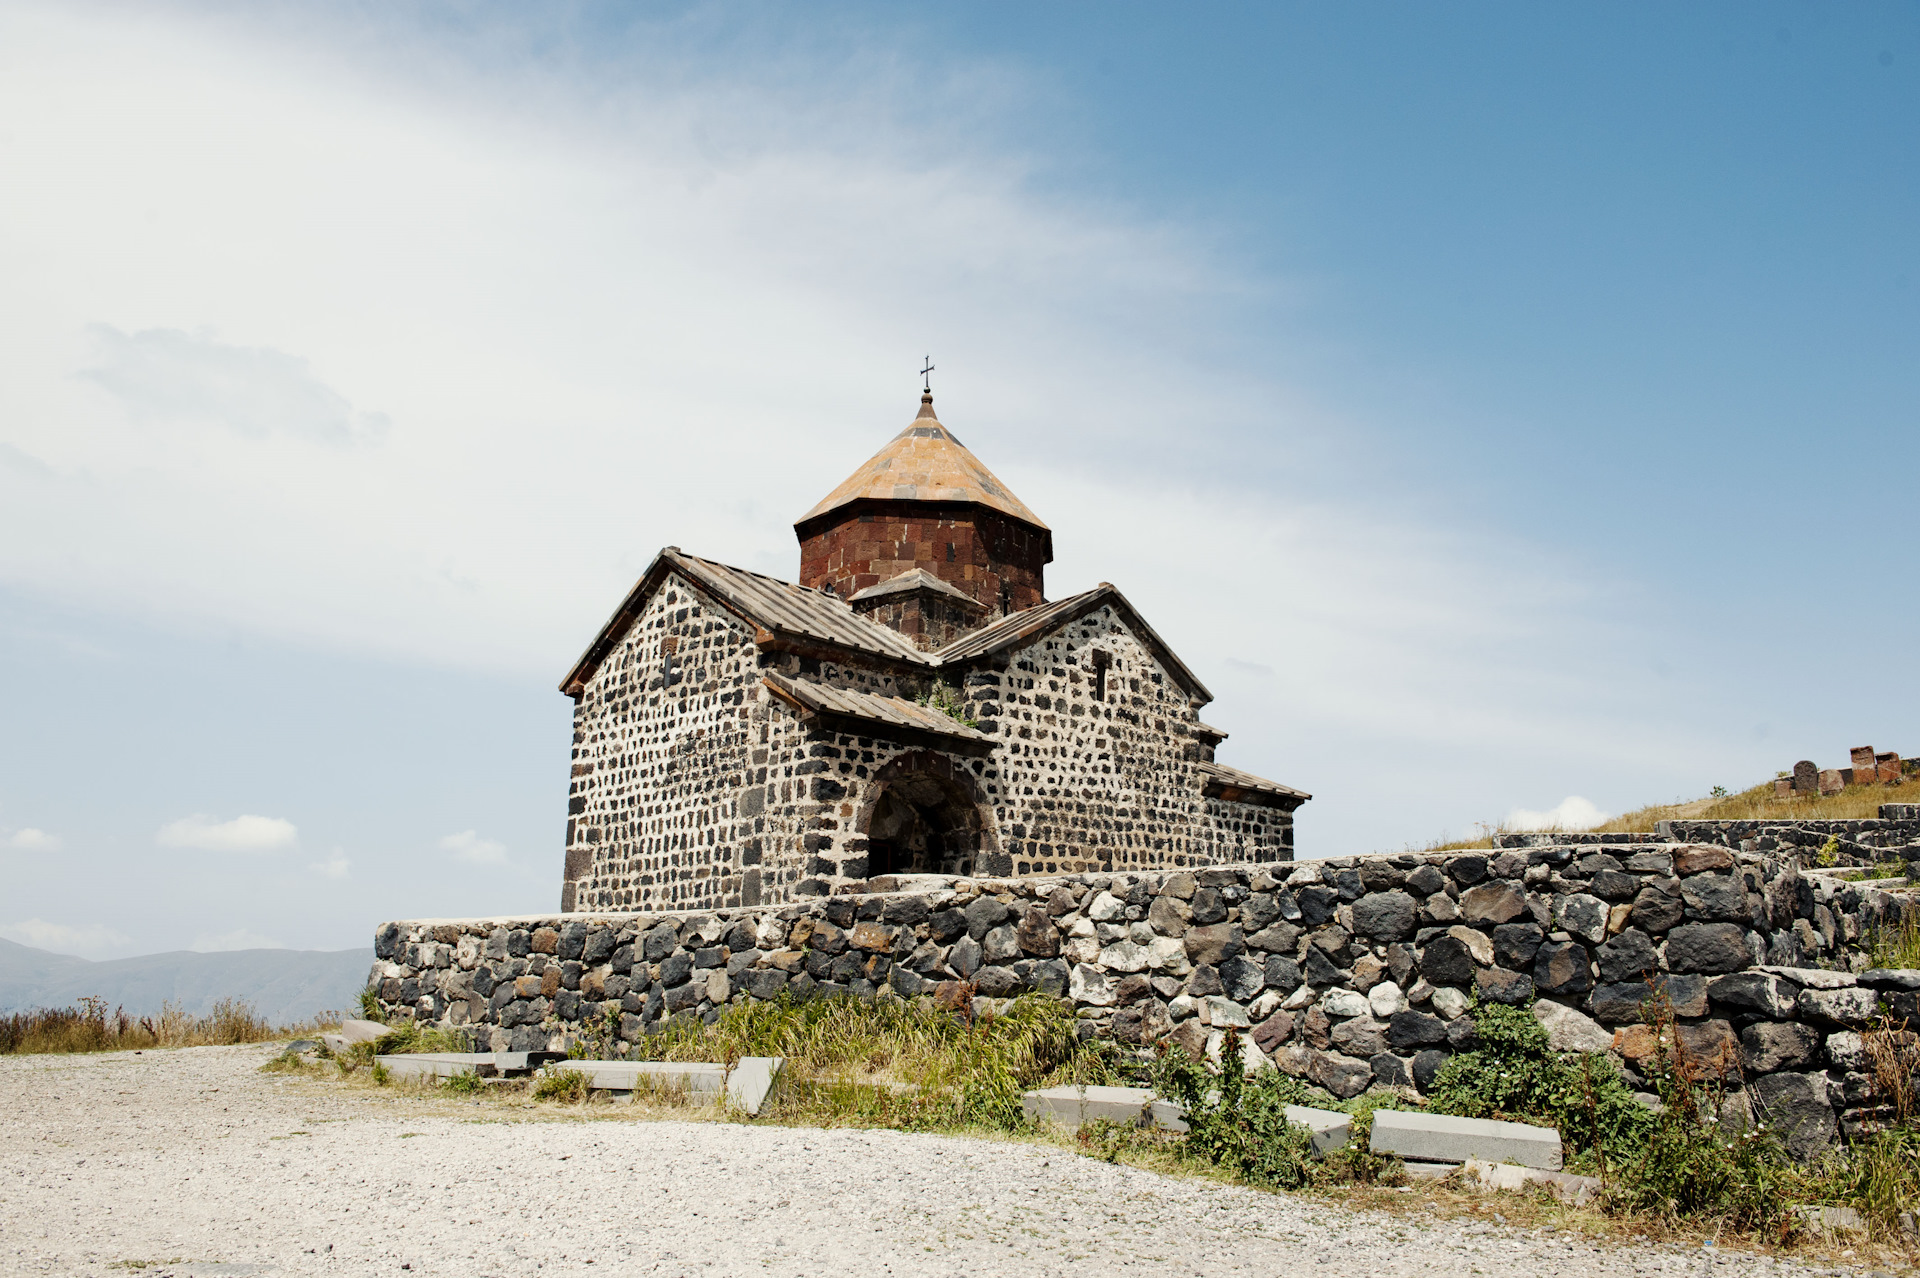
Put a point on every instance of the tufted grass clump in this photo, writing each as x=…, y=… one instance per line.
x=409, y=1037
x=568, y=1086
x=1896, y=943
x=886, y=1062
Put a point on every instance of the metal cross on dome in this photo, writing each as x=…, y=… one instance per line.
x=925, y=374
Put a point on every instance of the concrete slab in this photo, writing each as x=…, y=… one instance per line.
x=363, y=1031
x=1577, y=1190
x=1168, y=1115
x=697, y=1078
x=1443, y=1138
x=439, y=1064
x=1429, y=1171
x=1330, y=1128
x=1072, y=1106
x=1832, y=1220
x=752, y=1079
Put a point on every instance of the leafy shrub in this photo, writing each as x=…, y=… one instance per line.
x=1690, y=1164
x=1513, y=1075
x=566, y=1085
x=381, y=1075
x=370, y=1009
x=1237, y=1121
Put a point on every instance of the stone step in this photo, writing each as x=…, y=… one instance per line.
x=1071, y=1106
x=447, y=1064
x=1577, y=1190
x=1330, y=1128
x=1443, y=1138
x=747, y=1084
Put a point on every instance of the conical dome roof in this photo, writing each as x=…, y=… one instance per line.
x=925, y=462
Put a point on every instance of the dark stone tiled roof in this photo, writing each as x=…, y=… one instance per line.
x=1219, y=777
x=882, y=712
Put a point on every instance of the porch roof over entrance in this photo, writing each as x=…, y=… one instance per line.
x=895, y=718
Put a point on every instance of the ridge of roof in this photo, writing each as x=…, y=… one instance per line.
x=1041, y=619
x=925, y=462
x=916, y=579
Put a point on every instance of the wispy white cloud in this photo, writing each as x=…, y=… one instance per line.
x=32, y=840
x=87, y=940
x=469, y=846
x=1571, y=813
x=242, y=834
x=163, y=373
x=238, y=939
x=336, y=865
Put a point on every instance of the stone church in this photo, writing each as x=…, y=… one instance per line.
x=915, y=704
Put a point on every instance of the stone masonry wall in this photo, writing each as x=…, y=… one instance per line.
x=692, y=788
x=1348, y=972
x=1862, y=840
x=1107, y=785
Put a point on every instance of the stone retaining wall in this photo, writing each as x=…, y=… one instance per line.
x=1861, y=840
x=1349, y=972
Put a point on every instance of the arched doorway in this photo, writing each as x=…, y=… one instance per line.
x=924, y=816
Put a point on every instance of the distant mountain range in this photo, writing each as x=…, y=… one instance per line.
x=285, y=986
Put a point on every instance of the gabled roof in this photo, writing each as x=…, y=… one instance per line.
x=870, y=713
x=1032, y=623
x=798, y=615
x=780, y=608
x=925, y=462
x=1235, y=786
x=916, y=579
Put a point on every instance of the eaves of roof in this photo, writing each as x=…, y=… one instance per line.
x=1235, y=786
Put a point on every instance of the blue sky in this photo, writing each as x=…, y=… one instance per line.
x=1494, y=404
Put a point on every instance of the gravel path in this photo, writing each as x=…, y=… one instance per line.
x=193, y=1158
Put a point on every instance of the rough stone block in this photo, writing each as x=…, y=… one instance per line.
x=1798, y=1108
x=1851, y=1007
x=1708, y=948
x=1341, y=1075
x=1771, y=996
x=1569, y=1031
x=1444, y=1138
x=1769, y=1047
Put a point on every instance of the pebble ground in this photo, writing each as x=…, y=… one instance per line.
x=194, y=1163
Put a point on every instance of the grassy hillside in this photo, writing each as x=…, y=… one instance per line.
x=1762, y=804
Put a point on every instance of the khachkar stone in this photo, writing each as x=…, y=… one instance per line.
x=913, y=705
x=1806, y=777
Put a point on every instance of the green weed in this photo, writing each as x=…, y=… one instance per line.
x=569, y=1086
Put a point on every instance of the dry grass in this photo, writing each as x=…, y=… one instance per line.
x=1856, y=802
x=90, y=1027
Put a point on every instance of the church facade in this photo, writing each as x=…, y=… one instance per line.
x=914, y=704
